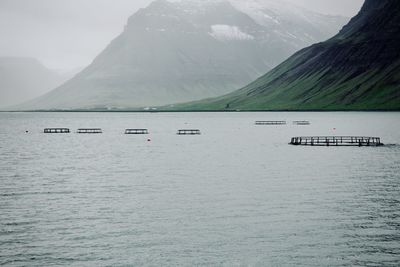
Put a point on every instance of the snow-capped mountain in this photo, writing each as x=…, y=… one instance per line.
x=179, y=51
x=294, y=24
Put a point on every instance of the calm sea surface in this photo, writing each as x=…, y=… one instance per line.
x=238, y=195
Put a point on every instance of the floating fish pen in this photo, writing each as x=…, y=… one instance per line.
x=90, y=131
x=270, y=122
x=336, y=141
x=136, y=131
x=301, y=123
x=188, y=132
x=56, y=130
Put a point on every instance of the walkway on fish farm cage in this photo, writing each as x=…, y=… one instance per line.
x=188, y=132
x=90, y=131
x=136, y=131
x=336, y=141
x=56, y=130
x=301, y=123
x=270, y=123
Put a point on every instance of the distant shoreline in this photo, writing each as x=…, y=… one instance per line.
x=190, y=111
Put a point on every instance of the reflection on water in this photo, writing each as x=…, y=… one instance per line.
x=236, y=195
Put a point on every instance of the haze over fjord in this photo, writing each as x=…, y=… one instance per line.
x=68, y=34
x=174, y=52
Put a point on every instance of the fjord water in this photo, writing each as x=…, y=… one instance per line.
x=236, y=195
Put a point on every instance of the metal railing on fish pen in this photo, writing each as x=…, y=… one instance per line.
x=270, y=123
x=189, y=132
x=336, y=141
x=136, y=131
x=90, y=131
x=301, y=123
x=56, y=130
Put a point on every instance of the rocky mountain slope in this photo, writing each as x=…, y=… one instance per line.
x=357, y=69
x=187, y=50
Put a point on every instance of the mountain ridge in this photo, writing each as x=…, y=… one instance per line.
x=205, y=52
x=358, y=69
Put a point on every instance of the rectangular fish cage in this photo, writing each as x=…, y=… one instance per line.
x=90, y=131
x=270, y=123
x=188, y=132
x=301, y=123
x=336, y=141
x=136, y=131
x=56, y=130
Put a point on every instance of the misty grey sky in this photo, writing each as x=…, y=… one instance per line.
x=68, y=34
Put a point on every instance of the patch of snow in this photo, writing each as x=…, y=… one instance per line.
x=266, y=12
x=291, y=35
x=229, y=33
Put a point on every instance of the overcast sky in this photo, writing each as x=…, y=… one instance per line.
x=68, y=34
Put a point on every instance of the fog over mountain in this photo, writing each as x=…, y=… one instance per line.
x=22, y=79
x=68, y=34
x=180, y=51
